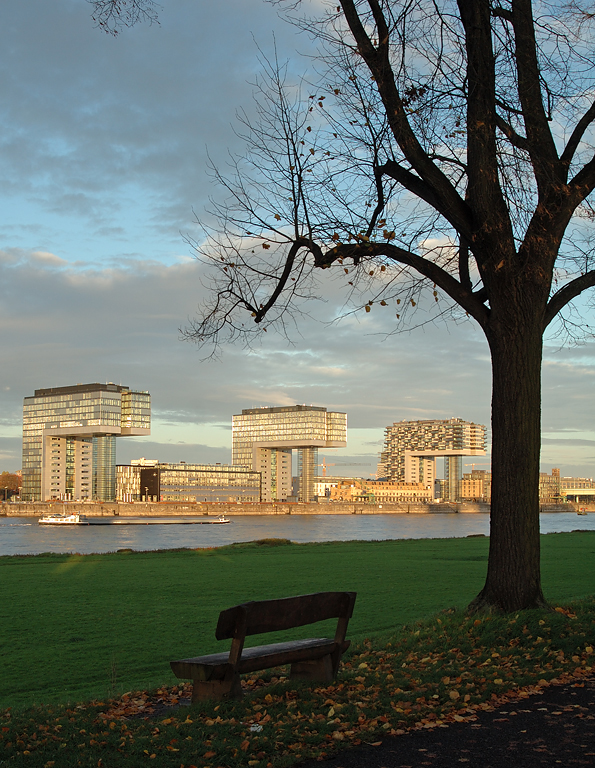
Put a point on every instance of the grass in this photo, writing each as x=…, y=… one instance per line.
x=77, y=627
x=427, y=675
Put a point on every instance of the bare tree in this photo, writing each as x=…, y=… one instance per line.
x=446, y=145
x=112, y=15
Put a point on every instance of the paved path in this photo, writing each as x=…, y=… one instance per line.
x=552, y=728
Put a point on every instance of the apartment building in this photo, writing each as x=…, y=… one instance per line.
x=411, y=448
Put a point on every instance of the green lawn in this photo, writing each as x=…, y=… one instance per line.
x=79, y=627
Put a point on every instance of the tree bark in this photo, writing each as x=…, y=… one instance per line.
x=513, y=579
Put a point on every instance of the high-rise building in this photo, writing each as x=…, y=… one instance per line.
x=263, y=440
x=411, y=449
x=69, y=439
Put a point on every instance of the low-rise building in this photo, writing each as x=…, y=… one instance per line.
x=151, y=481
x=554, y=489
x=323, y=485
x=549, y=487
x=380, y=492
x=476, y=486
x=578, y=489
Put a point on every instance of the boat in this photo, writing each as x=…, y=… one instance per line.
x=56, y=519
x=220, y=520
x=581, y=512
x=214, y=521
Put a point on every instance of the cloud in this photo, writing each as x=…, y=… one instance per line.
x=50, y=259
x=104, y=141
x=128, y=449
x=10, y=453
x=122, y=324
x=103, y=161
x=71, y=324
x=566, y=441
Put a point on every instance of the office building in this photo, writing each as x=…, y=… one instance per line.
x=263, y=440
x=411, y=449
x=577, y=489
x=144, y=480
x=69, y=439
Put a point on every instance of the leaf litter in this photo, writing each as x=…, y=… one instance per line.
x=425, y=676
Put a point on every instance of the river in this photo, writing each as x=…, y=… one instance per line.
x=23, y=535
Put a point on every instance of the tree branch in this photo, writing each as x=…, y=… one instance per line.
x=464, y=276
x=426, y=268
x=502, y=13
x=285, y=275
x=570, y=291
x=112, y=15
x=584, y=182
x=380, y=201
x=518, y=141
x=448, y=201
x=577, y=135
x=484, y=192
x=414, y=184
x=541, y=146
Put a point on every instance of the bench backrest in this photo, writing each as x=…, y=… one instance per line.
x=273, y=615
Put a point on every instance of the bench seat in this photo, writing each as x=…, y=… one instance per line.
x=217, y=675
x=257, y=658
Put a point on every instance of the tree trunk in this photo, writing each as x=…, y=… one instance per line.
x=513, y=580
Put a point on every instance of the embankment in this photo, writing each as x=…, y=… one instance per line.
x=166, y=509
x=177, y=509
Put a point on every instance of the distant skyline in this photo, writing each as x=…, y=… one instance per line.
x=103, y=163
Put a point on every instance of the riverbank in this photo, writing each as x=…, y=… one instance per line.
x=108, y=533
x=111, y=623
x=454, y=670
x=196, y=509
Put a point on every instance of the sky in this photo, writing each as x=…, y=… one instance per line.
x=104, y=147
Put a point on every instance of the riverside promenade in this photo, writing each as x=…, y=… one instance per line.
x=197, y=509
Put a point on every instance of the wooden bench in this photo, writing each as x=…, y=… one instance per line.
x=217, y=676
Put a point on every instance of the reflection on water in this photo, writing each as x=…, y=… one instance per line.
x=23, y=536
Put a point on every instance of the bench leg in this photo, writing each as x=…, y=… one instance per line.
x=318, y=669
x=217, y=689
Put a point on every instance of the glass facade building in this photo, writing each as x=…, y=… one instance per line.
x=411, y=448
x=263, y=440
x=186, y=482
x=69, y=447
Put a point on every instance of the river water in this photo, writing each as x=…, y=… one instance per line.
x=23, y=535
